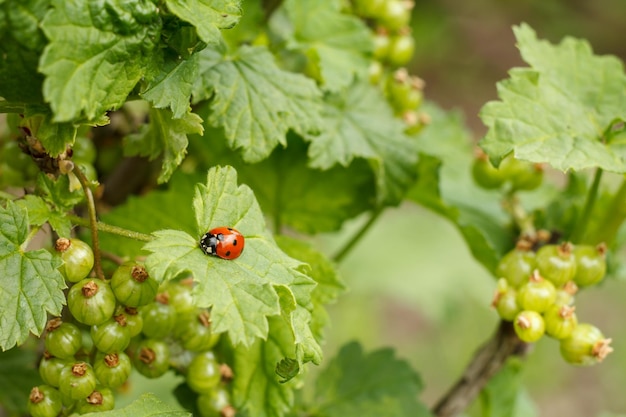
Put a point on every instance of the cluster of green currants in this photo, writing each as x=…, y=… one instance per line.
x=517, y=174
x=394, y=46
x=119, y=324
x=536, y=292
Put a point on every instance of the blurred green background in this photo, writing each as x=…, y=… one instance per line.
x=413, y=284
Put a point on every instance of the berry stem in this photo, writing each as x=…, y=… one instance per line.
x=485, y=364
x=583, y=221
x=93, y=221
x=343, y=252
x=103, y=227
x=11, y=107
x=522, y=219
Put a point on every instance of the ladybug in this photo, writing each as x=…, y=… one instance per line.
x=223, y=242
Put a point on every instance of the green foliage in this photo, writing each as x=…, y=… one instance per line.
x=504, y=395
x=32, y=286
x=561, y=110
x=207, y=16
x=17, y=377
x=148, y=405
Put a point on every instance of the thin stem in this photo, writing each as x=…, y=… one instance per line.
x=592, y=195
x=487, y=361
x=522, y=219
x=357, y=236
x=8, y=107
x=31, y=235
x=115, y=230
x=93, y=220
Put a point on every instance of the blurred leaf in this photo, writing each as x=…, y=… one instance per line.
x=30, y=284
x=503, y=396
x=337, y=43
x=96, y=55
x=360, y=124
x=17, y=377
x=207, y=16
x=374, y=384
x=445, y=186
x=560, y=109
x=164, y=136
x=254, y=100
x=295, y=195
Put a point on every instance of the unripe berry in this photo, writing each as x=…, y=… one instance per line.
x=585, y=346
x=77, y=258
x=505, y=301
x=590, y=264
x=537, y=294
x=529, y=326
x=517, y=265
x=560, y=321
x=556, y=263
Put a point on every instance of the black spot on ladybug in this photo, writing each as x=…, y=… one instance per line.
x=235, y=242
x=227, y=253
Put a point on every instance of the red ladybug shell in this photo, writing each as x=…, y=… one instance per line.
x=223, y=242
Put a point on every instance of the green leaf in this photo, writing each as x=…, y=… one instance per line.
x=445, y=186
x=254, y=100
x=39, y=213
x=360, y=124
x=171, y=87
x=323, y=271
x=288, y=190
x=55, y=137
x=57, y=192
x=17, y=377
x=373, y=384
x=504, y=396
x=166, y=136
x=208, y=16
x=97, y=53
x=30, y=286
x=337, y=43
x=257, y=388
x=559, y=109
x=159, y=209
x=148, y=405
x=242, y=292
x=21, y=43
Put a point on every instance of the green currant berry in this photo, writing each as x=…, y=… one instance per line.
x=77, y=258
x=505, y=301
x=529, y=326
x=401, y=49
x=203, y=374
x=590, y=264
x=375, y=72
x=50, y=369
x=159, y=318
x=134, y=322
x=132, y=285
x=152, y=358
x=537, y=294
x=215, y=403
x=522, y=175
x=560, y=321
x=112, y=369
x=556, y=263
x=111, y=336
x=193, y=329
x=585, y=346
x=44, y=401
x=395, y=14
x=91, y=301
x=62, y=340
x=77, y=380
x=381, y=44
x=517, y=265
x=369, y=8
x=565, y=294
x=101, y=399
x=179, y=295
x=485, y=175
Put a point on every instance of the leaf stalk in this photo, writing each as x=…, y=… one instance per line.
x=107, y=228
x=343, y=252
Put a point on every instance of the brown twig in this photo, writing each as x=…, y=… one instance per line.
x=487, y=361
